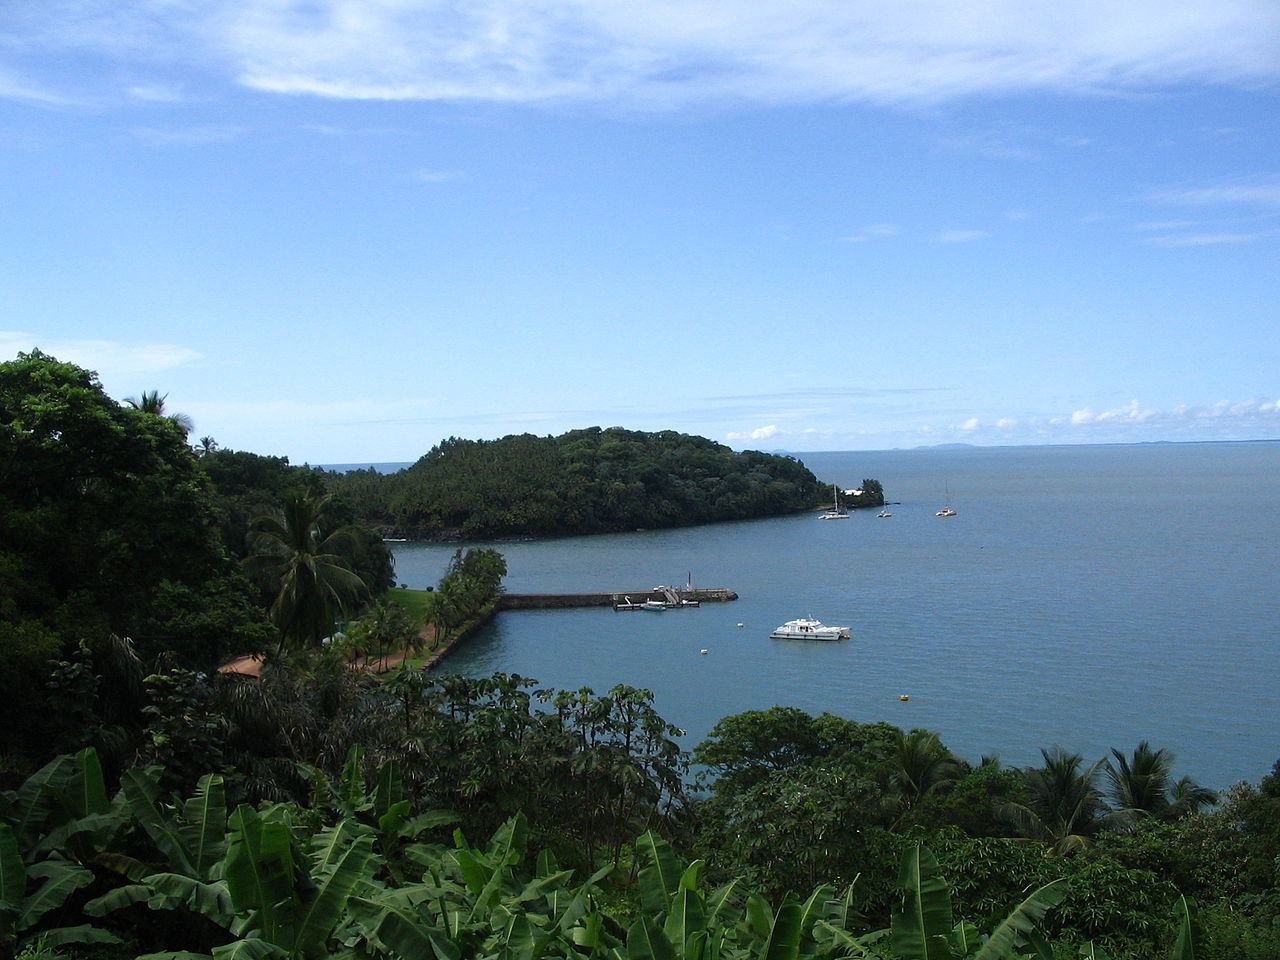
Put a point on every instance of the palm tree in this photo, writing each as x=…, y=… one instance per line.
x=307, y=567
x=921, y=765
x=152, y=402
x=1065, y=807
x=1141, y=785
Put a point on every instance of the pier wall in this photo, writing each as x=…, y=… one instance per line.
x=560, y=601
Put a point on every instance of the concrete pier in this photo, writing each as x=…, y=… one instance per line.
x=561, y=601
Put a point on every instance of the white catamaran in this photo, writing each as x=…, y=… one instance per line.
x=836, y=512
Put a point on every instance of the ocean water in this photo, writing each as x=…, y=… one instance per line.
x=1084, y=596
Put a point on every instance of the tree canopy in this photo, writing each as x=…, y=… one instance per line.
x=105, y=521
x=584, y=481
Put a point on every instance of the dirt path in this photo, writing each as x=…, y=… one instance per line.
x=251, y=666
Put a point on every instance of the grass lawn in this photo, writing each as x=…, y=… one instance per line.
x=414, y=602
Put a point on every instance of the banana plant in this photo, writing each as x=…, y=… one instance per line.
x=244, y=872
x=678, y=922
x=50, y=828
x=473, y=902
x=922, y=925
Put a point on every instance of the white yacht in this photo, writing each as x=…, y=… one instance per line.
x=805, y=629
x=946, y=510
x=836, y=512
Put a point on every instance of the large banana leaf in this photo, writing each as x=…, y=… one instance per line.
x=390, y=789
x=685, y=919
x=13, y=873
x=1091, y=951
x=659, y=873
x=86, y=793
x=260, y=873
x=141, y=790
x=783, y=942
x=204, y=824
x=646, y=941
x=61, y=879
x=407, y=933
x=351, y=789
x=721, y=903
x=921, y=927
x=169, y=891
x=1184, y=947
x=250, y=948
x=965, y=938
x=343, y=864
x=35, y=799
x=476, y=874
x=507, y=846
x=1014, y=928
x=820, y=905
x=83, y=933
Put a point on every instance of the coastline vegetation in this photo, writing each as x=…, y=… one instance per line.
x=151, y=805
x=584, y=481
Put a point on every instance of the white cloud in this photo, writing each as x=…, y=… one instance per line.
x=436, y=176
x=970, y=425
x=760, y=433
x=189, y=136
x=871, y=232
x=1258, y=191
x=672, y=51
x=110, y=359
x=962, y=236
x=156, y=93
x=1207, y=239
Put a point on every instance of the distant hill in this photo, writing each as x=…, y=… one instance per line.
x=585, y=481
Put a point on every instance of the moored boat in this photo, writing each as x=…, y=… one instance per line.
x=836, y=512
x=809, y=629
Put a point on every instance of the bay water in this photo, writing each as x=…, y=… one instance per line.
x=1083, y=596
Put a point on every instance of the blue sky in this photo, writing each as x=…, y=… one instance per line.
x=341, y=231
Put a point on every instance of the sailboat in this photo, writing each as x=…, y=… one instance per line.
x=836, y=512
x=946, y=510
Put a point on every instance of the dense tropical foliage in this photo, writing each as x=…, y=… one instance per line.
x=584, y=481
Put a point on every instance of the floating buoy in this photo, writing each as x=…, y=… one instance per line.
x=703, y=651
x=904, y=697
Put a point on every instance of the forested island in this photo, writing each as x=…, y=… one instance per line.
x=153, y=806
x=585, y=481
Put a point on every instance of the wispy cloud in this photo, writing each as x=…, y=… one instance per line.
x=872, y=232
x=1241, y=210
x=1257, y=191
x=110, y=359
x=1255, y=418
x=961, y=236
x=157, y=93
x=1208, y=239
x=675, y=51
x=437, y=176
x=189, y=136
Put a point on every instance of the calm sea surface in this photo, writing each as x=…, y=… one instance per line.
x=1087, y=596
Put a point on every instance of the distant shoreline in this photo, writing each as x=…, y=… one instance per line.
x=393, y=466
